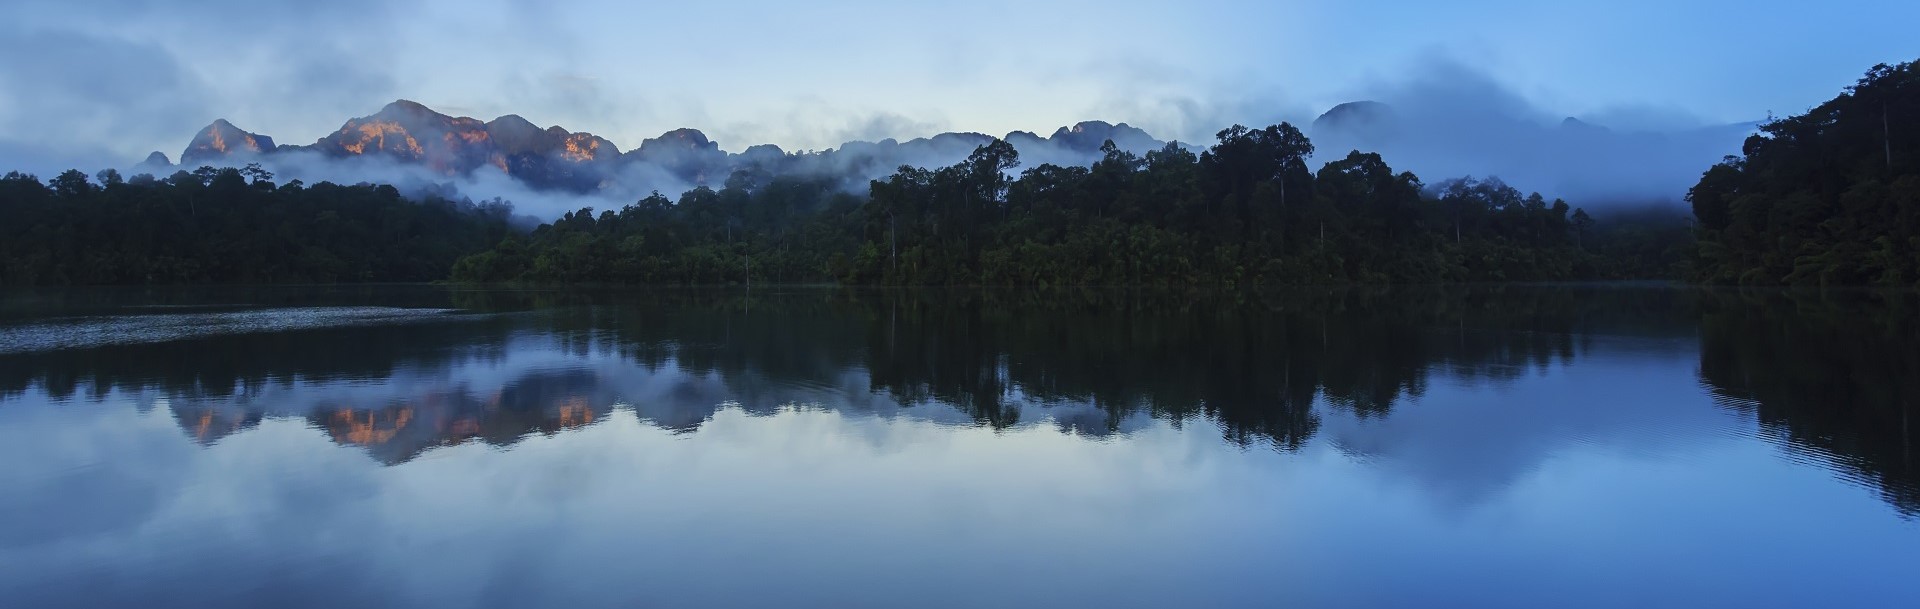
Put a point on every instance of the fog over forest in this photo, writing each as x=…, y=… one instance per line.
x=1446, y=122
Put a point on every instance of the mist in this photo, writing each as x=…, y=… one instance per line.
x=1443, y=120
x=1453, y=121
x=416, y=181
x=102, y=94
x=1446, y=123
x=671, y=164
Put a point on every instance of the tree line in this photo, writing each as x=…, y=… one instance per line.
x=1830, y=372
x=230, y=225
x=1247, y=211
x=1828, y=197
x=1254, y=362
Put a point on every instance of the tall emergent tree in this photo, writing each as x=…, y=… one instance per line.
x=1827, y=197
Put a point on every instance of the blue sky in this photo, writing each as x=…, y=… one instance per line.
x=114, y=79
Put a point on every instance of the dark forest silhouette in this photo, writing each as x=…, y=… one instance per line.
x=1827, y=197
x=1245, y=212
x=229, y=225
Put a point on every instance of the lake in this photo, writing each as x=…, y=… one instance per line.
x=1480, y=446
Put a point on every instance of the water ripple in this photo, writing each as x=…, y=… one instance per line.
x=98, y=331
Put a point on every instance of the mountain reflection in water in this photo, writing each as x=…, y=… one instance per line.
x=1825, y=374
x=826, y=447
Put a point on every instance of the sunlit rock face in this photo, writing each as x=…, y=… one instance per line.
x=408, y=134
x=412, y=133
x=207, y=425
x=221, y=140
x=551, y=157
x=408, y=131
x=396, y=431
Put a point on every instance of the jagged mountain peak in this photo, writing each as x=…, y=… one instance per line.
x=762, y=153
x=764, y=149
x=407, y=107
x=1087, y=127
x=1087, y=136
x=405, y=132
x=684, y=137
x=222, y=139
x=686, y=153
x=512, y=121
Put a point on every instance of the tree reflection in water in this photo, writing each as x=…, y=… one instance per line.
x=1830, y=375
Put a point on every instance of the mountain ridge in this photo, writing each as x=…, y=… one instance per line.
x=409, y=133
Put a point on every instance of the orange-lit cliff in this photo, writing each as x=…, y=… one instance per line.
x=222, y=140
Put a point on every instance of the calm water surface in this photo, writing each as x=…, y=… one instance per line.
x=1521, y=446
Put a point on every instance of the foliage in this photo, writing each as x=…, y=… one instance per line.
x=1828, y=197
x=1245, y=212
x=229, y=226
x=1831, y=371
x=783, y=231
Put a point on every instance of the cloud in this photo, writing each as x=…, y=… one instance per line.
x=1176, y=103
x=1645, y=117
x=815, y=123
x=79, y=95
x=46, y=161
x=1448, y=119
x=484, y=183
x=1464, y=449
x=140, y=75
x=883, y=125
x=573, y=95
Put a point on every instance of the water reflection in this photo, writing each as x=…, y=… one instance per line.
x=1254, y=364
x=1828, y=375
x=1076, y=447
x=1834, y=376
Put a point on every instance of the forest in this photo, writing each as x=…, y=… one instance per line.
x=1246, y=212
x=229, y=225
x=1830, y=197
x=1254, y=363
x=1827, y=197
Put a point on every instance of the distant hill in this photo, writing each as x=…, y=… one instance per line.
x=1578, y=159
x=409, y=134
x=222, y=140
x=1568, y=157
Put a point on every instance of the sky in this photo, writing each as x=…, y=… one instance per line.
x=106, y=82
